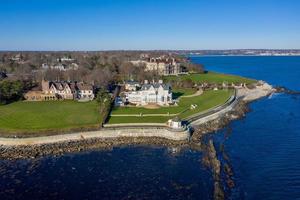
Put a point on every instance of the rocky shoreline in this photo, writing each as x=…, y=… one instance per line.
x=239, y=111
x=57, y=149
x=211, y=161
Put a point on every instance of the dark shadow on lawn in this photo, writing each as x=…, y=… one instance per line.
x=176, y=95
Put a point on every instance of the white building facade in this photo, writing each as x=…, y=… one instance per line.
x=157, y=93
x=84, y=92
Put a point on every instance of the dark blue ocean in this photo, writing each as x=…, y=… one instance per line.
x=263, y=149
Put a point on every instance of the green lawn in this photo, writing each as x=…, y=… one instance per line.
x=205, y=101
x=211, y=77
x=150, y=119
x=179, y=92
x=50, y=115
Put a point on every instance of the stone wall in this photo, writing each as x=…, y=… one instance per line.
x=104, y=133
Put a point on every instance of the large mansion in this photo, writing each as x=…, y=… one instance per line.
x=61, y=90
x=150, y=93
x=163, y=65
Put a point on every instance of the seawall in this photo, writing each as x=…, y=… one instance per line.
x=100, y=134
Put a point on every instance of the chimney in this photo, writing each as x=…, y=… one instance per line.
x=146, y=82
x=45, y=85
x=160, y=81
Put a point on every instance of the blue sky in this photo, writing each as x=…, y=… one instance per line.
x=148, y=24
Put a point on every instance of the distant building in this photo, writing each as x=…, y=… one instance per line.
x=132, y=85
x=163, y=65
x=60, y=66
x=73, y=66
x=84, y=92
x=45, y=66
x=17, y=57
x=65, y=59
x=154, y=93
x=60, y=90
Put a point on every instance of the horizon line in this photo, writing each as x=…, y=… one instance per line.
x=106, y=50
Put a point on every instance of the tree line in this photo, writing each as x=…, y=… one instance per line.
x=102, y=69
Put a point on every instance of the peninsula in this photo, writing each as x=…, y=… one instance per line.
x=107, y=98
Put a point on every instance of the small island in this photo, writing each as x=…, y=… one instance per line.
x=151, y=98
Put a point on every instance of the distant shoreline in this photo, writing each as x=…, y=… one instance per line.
x=198, y=55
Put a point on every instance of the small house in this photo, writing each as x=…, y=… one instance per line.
x=175, y=123
x=84, y=92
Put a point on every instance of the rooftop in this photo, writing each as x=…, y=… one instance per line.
x=156, y=86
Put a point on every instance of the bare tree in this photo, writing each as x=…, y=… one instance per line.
x=102, y=77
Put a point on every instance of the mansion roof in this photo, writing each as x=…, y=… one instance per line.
x=156, y=86
x=82, y=86
x=61, y=85
x=163, y=59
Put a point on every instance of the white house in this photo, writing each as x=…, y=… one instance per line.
x=175, y=123
x=60, y=66
x=156, y=93
x=84, y=92
x=65, y=59
x=73, y=66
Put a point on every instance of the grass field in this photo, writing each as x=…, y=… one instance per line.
x=150, y=119
x=51, y=115
x=205, y=101
x=179, y=92
x=211, y=77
